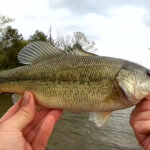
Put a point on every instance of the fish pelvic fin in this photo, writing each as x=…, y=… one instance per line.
x=99, y=117
x=16, y=98
x=37, y=51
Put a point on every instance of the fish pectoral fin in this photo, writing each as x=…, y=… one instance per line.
x=16, y=97
x=99, y=117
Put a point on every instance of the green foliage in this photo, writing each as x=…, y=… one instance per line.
x=8, y=59
x=10, y=38
x=4, y=20
x=38, y=36
x=11, y=42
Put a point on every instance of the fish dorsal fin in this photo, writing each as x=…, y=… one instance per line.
x=79, y=52
x=99, y=117
x=37, y=51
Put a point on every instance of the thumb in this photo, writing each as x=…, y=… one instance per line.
x=23, y=116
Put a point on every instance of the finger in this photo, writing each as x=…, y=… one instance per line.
x=28, y=146
x=143, y=106
x=142, y=130
x=33, y=132
x=56, y=113
x=23, y=116
x=37, y=118
x=40, y=141
x=142, y=116
x=148, y=97
x=11, y=111
x=142, y=127
x=146, y=143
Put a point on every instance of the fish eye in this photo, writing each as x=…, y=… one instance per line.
x=148, y=73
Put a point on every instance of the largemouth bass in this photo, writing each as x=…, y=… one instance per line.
x=77, y=80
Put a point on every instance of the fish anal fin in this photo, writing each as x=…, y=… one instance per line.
x=99, y=117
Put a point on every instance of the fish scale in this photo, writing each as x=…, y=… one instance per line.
x=76, y=83
x=76, y=80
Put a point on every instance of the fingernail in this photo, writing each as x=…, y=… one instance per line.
x=26, y=99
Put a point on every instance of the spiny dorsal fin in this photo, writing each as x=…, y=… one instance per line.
x=37, y=51
x=79, y=52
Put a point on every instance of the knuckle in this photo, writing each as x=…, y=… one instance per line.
x=3, y=126
x=131, y=122
x=144, y=106
x=141, y=142
x=135, y=126
x=25, y=113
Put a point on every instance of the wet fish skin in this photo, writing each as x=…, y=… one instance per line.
x=79, y=83
x=77, y=80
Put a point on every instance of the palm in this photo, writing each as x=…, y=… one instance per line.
x=24, y=127
x=38, y=131
x=35, y=135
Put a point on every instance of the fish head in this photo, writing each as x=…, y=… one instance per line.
x=134, y=81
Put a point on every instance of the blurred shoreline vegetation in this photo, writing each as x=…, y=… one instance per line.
x=11, y=42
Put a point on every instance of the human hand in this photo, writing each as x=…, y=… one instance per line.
x=24, y=128
x=140, y=122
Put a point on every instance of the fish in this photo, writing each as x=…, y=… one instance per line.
x=77, y=80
